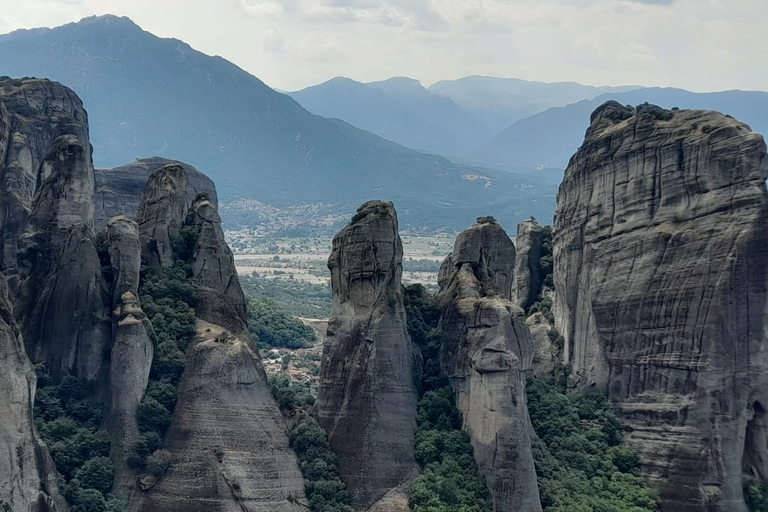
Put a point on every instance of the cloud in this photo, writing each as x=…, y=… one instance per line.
x=658, y=2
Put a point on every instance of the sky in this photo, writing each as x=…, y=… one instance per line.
x=701, y=45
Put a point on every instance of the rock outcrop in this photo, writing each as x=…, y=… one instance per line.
x=161, y=214
x=546, y=354
x=119, y=190
x=367, y=396
x=33, y=114
x=660, y=272
x=527, y=273
x=132, y=347
x=229, y=450
x=63, y=302
x=227, y=440
x=486, y=351
x=221, y=299
x=28, y=481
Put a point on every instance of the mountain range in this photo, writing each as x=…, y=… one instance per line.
x=148, y=96
x=336, y=144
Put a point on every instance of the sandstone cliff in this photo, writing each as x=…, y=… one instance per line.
x=221, y=299
x=486, y=351
x=28, y=478
x=527, y=275
x=660, y=240
x=33, y=113
x=367, y=396
x=228, y=444
x=63, y=302
x=229, y=450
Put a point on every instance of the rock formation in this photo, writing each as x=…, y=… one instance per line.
x=545, y=354
x=486, y=351
x=660, y=240
x=28, y=481
x=161, y=214
x=132, y=348
x=367, y=396
x=227, y=439
x=527, y=274
x=119, y=190
x=221, y=300
x=63, y=302
x=33, y=113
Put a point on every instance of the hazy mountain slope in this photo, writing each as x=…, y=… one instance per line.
x=399, y=109
x=148, y=96
x=550, y=138
x=499, y=102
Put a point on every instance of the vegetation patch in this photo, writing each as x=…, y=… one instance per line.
x=168, y=301
x=72, y=427
x=582, y=463
x=271, y=326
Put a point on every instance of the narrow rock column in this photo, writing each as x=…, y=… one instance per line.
x=487, y=350
x=367, y=397
x=527, y=276
x=132, y=348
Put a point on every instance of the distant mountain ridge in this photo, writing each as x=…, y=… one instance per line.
x=399, y=109
x=498, y=102
x=452, y=117
x=550, y=138
x=148, y=96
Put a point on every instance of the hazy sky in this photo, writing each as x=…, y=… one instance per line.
x=701, y=45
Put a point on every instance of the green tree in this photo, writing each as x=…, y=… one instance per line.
x=97, y=473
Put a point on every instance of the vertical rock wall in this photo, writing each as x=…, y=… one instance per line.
x=661, y=237
x=367, y=396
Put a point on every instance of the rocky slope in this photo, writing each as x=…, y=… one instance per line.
x=486, y=351
x=660, y=237
x=229, y=450
x=29, y=482
x=367, y=396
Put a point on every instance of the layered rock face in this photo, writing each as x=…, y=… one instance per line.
x=28, y=481
x=33, y=114
x=132, y=348
x=367, y=396
x=486, y=351
x=63, y=302
x=119, y=190
x=227, y=440
x=527, y=276
x=213, y=270
x=660, y=272
x=161, y=214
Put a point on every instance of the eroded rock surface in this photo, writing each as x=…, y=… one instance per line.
x=63, y=302
x=486, y=351
x=161, y=214
x=28, y=478
x=367, y=396
x=119, y=190
x=228, y=443
x=213, y=269
x=660, y=240
x=528, y=254
x=33, y=114
x=132, y=348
